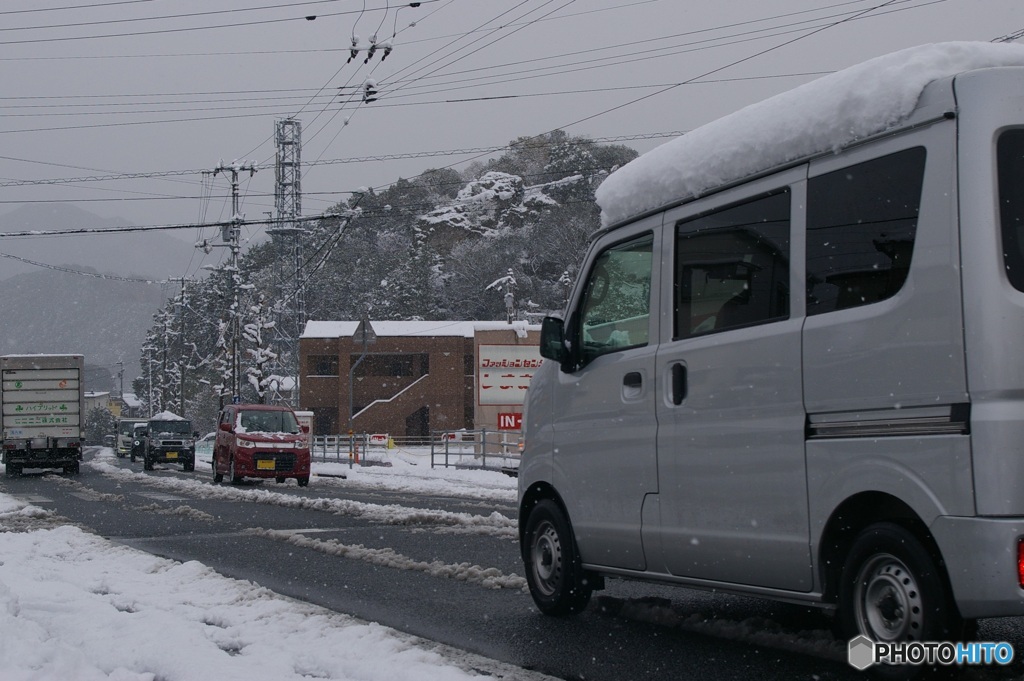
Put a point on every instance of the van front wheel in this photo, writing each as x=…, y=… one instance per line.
x=893, y=590
x=558, y=583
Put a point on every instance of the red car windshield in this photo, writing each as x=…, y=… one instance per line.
x=260, y=421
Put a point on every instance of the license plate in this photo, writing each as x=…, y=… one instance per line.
x=171, y=455
x=264, y=464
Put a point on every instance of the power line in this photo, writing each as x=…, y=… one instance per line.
x=182, y=29
x=354, y=159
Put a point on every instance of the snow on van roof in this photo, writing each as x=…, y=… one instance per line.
x=166, y=416
x=825, y=114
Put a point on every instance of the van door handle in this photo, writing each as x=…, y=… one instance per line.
x=633, y=380
x=678, y=383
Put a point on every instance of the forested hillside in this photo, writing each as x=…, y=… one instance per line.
x=442, y=245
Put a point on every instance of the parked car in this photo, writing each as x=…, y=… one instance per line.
x=261, y=441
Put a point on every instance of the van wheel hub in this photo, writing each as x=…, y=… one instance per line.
x=889, y=600
x=547, y=558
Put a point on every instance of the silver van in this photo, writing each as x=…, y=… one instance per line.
x=796, y=376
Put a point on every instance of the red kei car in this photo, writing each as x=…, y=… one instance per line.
x=260, y=441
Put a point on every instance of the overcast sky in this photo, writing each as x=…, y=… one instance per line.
x=155, y=86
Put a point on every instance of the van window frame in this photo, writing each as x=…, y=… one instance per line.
x=690, y=226
x=897, y=276
x=575, y=327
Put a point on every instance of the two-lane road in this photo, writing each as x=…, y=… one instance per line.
x=443, y=567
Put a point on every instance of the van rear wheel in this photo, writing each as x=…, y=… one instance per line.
x=558, y=583
x=894, y=590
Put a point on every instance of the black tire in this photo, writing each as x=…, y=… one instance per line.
x=558, y=583
x=303, y=482
x=133, y=457
x=279, y=479
x=72, y=469
x=234, y=477
x=120, y=454
x=217, y=477
x=893, y=589
x=189, y=465
x=13, y=469
x=147, y=464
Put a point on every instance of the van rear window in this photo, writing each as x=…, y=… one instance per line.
x=861, y=224
x=1010, y=164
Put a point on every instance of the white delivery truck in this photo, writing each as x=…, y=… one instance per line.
x=43, y=400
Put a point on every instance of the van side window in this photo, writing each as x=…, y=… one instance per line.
x=861, y=223
x=615, y=310
x=1010, y=164
x=732, y=267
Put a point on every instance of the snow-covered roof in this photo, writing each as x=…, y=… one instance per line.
x=131, y=400
x=824, y=115
x=325, y=329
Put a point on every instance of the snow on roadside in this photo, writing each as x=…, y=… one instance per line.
x=494, y=524
x=76, y=606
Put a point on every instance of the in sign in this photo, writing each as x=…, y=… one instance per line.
x=510, y=421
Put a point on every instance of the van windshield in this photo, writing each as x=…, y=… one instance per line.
x=260, y=421
x=127, y=427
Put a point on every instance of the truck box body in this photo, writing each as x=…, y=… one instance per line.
x=43, y=402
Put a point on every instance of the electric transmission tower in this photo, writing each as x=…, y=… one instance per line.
x=287, y=236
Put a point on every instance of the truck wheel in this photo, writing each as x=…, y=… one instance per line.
x=120, y=454
x=72, y=468
x=894, y=590
x=558, y=583
x=303, y=482
x=235, y=478
x=217, y=477
x=12, y=469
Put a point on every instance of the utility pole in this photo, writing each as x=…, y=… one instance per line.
x=230, y=235
x=182, y=361
x=120, y=377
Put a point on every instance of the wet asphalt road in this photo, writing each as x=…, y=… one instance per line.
x=398, y=559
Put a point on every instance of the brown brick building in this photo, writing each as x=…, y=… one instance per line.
x=416, y=377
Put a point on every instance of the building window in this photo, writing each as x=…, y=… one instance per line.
x=323, y=365
x=325, y=421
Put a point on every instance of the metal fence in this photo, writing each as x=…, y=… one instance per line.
x=470, y=449
x=496, y=450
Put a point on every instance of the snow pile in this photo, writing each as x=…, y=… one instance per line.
x=825, y=114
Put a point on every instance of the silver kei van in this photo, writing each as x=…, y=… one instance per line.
x=790, y=365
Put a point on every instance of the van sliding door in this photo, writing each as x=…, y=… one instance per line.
x=732, y=480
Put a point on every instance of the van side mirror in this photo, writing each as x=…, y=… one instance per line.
x=225, y=427
x=552, y=339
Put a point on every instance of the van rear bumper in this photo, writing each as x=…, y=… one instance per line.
x=981, y=560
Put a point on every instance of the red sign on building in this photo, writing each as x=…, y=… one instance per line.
x=510, y=421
